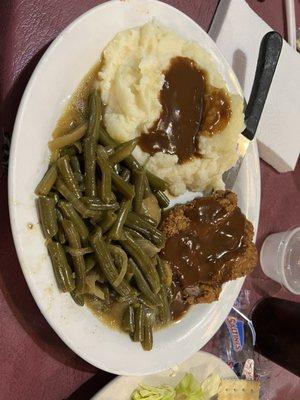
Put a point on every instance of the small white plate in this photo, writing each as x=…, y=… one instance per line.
x=58, y=74
x=201, y=365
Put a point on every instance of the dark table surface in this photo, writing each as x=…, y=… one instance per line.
x=34, y=362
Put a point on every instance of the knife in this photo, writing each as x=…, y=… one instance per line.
x=269, y=52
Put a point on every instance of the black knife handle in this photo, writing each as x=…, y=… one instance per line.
x=269, y=52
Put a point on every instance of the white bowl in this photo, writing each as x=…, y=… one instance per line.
x=58, y=74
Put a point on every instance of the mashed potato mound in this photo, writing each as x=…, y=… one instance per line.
x=131, y=77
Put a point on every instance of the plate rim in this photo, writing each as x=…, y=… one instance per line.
x=15, y=137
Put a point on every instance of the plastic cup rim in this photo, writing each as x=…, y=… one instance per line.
x=281, y=252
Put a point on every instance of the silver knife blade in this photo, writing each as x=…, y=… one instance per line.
x=230, y=176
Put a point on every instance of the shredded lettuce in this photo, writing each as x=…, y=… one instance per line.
x=210, y=386
x=145, y=392
x=187, y=389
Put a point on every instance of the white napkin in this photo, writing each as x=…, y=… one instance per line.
x=238, y=30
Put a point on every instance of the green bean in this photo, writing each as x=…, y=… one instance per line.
x=117, y=168
x=109, y=150
x=116, y=230
x=147, y=341
x=144, y=222
x=162, y=199
x=70, y=196
x=108, y=221
x=120, y=260
x=130, y=300
x=139, y=315
x=47, y=182
x=165, y=275
x=134, y=234
x=61, y=268
x=170, y=295
x=90, y=262
x=78, y=298
x=131, y=163
x=75, y=164
x=93, y=288
x=89, y=151
x=60, y=236
x=106, y=171
x=67, y=174
x=105, y=139
x=95, y=221
x=129, y=273
x=68, y=151
x=76, y=203
x=67, y=139
x=139, y=180
x=145, y=228
x=78, y=261
x=96, y=303
x=125, y=174
x=48, y=217
x=147, y=191
x=148, y=219
x=155, y=182
x=59, y=215
x=122, y=151
x=69, y=212
x=142, y=260
x=101, y=237
x=142, y=284
x=164, y=271
x=128, y=320
x=123, y=187
x=148, y=247
x=82, y=251
x=107, y=265
x=72, y=150
x=78, y=147
x=143, y=300
x=54, y=196
x=164, y=313
x=95, y=204
x=95, y=115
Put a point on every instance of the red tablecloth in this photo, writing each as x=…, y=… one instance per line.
x=34, y=362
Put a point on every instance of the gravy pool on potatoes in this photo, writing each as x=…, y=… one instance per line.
x=189, y=106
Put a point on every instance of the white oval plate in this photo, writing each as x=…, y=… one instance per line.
x=201, y=365
x=58, y=74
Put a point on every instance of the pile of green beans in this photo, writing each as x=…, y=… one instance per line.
x=97, y=231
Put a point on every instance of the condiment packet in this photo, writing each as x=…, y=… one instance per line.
x=235, y=343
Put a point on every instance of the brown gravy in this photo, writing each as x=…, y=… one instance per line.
x=112, y=317
x=75, y=112
x=199, y=253
x=189, y=106
x=217, y=112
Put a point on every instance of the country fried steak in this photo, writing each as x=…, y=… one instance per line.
x=209, y=242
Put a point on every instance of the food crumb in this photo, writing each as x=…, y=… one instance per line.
x=298, y=44
x=30, y=225
x=174, y=371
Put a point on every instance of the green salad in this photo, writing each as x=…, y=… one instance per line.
x=187, y=389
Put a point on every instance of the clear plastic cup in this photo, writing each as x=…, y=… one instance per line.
x=280, y=258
